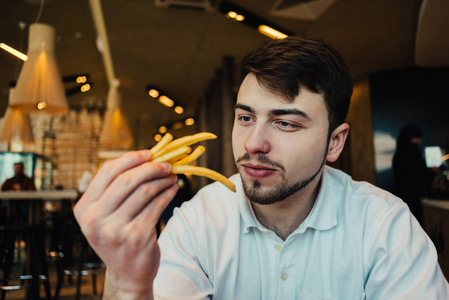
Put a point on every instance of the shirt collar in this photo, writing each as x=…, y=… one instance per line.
x=246, y=210
x=323, y=215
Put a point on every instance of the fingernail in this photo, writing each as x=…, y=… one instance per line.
x=166, y=166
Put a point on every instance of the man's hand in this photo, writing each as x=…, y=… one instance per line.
x=118, y=214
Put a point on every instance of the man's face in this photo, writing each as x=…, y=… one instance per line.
x=18, y=169
x=279, y=147
x=416, y=141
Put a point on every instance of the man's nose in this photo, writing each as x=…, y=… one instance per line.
x=257, y=141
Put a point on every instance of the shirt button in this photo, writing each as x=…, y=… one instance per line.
x=284, y=276
x=277, y=247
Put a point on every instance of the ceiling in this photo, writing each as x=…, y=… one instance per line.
x=179, y=49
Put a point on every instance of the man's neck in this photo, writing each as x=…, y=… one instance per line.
x=285, y=216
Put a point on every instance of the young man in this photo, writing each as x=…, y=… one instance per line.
x=295, y=229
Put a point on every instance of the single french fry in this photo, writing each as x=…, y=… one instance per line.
x=176, y=159
x=200, y=171
x=164, y=141
x=192, y=157
x=185, y=141
x=177, y=153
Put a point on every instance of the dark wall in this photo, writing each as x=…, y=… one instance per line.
x=413, y=95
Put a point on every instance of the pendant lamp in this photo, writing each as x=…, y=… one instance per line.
x=15, y=128
x=39, y=86
x=115, y=132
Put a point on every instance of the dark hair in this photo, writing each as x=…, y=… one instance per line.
x=286, y=66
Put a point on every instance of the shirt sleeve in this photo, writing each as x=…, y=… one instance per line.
x=401, y=261
x=181, y=274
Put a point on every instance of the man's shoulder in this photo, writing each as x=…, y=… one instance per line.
x=9, y=179
x=6, y=184
x=361, y=207
x=29, y=180
x=359, y=194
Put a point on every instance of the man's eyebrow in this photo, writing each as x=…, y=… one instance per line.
x=291, y=111
x=244, y=107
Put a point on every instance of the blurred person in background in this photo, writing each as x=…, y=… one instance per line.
x=20, y=181
x=412, y=177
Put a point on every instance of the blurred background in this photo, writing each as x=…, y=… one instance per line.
x=189, y=51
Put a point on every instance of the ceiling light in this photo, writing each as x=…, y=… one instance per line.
x=39, y=80
x=75, y=78
x=13, y=51
x=189, y=121
x=163, y=129
x=235, y=16
x=157, y=137
x=179, y=110
x=153, y=93
x=81, y=79
x=271, y=32
x=116, y=132
x=15, y=129
x=41, y=105
x=160, y=95
x=237, y=13
x=85, y=87
x=164, y=100
x=231, y=14
x=79, y=89
x=240, y=18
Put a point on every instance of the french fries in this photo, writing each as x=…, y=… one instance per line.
x=192, y=157
x=200, y=171
x=181, y=142
x=175, y=152
x=164, y=141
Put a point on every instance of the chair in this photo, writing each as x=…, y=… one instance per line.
x=78, y=259
x=35, y=268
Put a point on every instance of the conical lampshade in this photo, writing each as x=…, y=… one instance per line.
x=15, y=128
x=116, y=132
x=39, y=86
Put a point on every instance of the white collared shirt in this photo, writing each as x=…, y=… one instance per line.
x=358, y=242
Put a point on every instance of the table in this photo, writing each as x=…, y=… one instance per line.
x=34, y=201
x=46, y=195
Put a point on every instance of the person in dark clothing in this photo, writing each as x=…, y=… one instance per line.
x=20, y=181
x=412, y=177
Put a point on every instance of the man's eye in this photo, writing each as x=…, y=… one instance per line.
x=245, y=119
x=287, y=125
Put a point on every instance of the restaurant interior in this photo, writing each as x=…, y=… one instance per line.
x=86, y=81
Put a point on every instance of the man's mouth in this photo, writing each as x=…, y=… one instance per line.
x=257, y=170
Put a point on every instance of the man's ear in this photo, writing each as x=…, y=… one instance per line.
x=337, y=142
